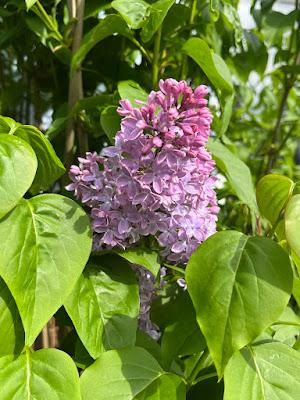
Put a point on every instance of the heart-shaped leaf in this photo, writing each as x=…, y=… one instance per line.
x=104, y=305
x=129, y=374
x=264, y=372
x=45, y=244
x=18, y=166
x=231, y=278
x=46, y=374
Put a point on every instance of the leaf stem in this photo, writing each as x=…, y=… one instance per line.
x=204, y=377
x=178, y=269
x=156, y=52
x=289, y=323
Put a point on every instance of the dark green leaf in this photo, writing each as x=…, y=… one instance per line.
x=106, y=27
x=11, y=329
x=110, y=122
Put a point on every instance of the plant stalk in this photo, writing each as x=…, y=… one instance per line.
x=184, y=65
x=76, y=10
x=156, y=54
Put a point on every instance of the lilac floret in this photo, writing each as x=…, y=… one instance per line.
x=157, y=179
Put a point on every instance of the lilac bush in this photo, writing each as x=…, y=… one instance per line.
x=157, y=178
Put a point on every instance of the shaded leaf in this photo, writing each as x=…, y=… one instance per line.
x=158, y=12
x=110, y=122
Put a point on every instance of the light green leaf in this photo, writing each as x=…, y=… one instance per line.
x=292, y=223
x=272, y=193
x=18, y=166
x=104, y=305
x=267, y=371
x=132, y=91
x=45, y=244
x=236, y=171
x=158, y=12
x=109, y=25
x=8, y=125
x=11, y=329
x=134, y=12
x=110, y=122
x=50, y=168
x=30, y=3
x=231, y=278
x=143, y=257
x=46, y=374
x=212, y=65
x=129, y=374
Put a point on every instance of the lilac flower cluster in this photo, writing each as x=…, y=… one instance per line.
x=157, y=179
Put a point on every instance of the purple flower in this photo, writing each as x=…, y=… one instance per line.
x=157, y=179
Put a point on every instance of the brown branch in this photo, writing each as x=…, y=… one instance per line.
x=76, y=10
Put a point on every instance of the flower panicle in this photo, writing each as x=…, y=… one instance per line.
x=157, y=178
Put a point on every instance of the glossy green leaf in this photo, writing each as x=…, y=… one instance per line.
x=11, y=329
x=231, y=278
x=158, y=12
x=292, y=223
x=106, y=27
x=104, y=306
x=134, y=12
x=110, y=122
x=212, y=65
x=143, y=257
x=45, y=244
x=129, y=374
x=132, y=91
x=46, y=374
x=267, y=371
x=18, y=166
x=272, y=193
x=8, y=125
x=50, y=168
x=236, y=171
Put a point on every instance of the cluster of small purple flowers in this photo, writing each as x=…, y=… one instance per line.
x=157, y=179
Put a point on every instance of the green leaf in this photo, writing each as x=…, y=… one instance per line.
x=132, y=91
x=50, y=168
x=272, y=193
x=110, y=122
x=212, y=64
x=134, y=12
x=129, y=374
x=106, y=27
x=292, y=223
x=104, y=306
x=146, y=342
x=181, y=339
x=18, y=166
x=236, y=171
x=11, y=329
x=46, y=374
x=231, y=278
x=264, y=372
x=8, y=125
x=30, y=3
x=158, y=12
x=45, y=244
x=143, y=257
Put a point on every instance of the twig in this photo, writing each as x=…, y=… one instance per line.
x=184, y=65
x=155, y=64
x=76, y=10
